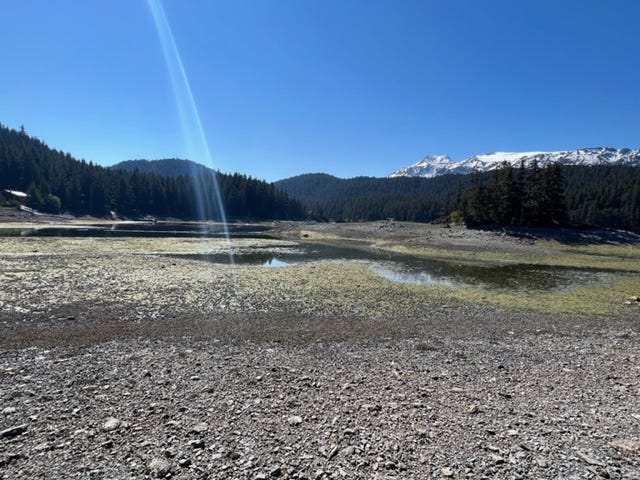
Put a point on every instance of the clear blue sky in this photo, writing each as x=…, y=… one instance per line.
x=338, y=86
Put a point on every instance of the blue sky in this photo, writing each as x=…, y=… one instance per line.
x=345, y=87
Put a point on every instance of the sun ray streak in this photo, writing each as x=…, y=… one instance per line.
x=192, y=129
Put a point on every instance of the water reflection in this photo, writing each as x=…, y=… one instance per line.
x=395, y=267
x=398, y=275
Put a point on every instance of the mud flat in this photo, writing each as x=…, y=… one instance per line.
x=125, y=358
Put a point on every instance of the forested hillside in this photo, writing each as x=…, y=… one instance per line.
x=165, y=167
x=369, y=198
x=590, y=196
x=603, y=195
x=55, y=181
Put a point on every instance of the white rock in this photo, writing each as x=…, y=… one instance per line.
x=295, y=420
x=111, y=424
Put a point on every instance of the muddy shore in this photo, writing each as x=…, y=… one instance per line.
x=119, y=361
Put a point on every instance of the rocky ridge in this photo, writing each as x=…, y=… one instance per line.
x=432, y=166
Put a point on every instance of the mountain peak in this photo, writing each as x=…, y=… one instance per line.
x=432, y=166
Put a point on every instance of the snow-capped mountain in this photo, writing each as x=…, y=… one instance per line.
x=442, y=164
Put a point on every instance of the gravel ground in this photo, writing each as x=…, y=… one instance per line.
x=535, y=406
x=116, y=363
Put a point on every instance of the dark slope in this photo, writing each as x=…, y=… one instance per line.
x=166, y=167
x=28, y=164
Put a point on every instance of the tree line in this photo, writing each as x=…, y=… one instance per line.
x=410, y=199
x=528, y=195
x=606, y=196
x=525, y=195
x=55, y=182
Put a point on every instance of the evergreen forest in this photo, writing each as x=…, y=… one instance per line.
x=56, y=182
x=581, y=196
x=605, y=196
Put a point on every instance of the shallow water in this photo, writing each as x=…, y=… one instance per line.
x=392, y=266
x=141, y=229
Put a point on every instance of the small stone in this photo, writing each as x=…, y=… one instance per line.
x=370, y=408
x=542, y=462
x=294, y=420
x=276, y=471
x=200, y=427
x=111, y=424
x=627, y=445
x=13, y=431
x=197, y=444
x=169, y=453
x=446, y=472
x=473, y=409
x=184, y=462
x=159, y=467
x=350, y=450
x=8, y=410
x=588, y=459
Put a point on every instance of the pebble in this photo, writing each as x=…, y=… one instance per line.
x=159, y=467
x=13, y=431
x=294, y=420
x=111, y=424
x=200, y=427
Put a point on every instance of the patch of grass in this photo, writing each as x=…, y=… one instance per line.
x=624, y=258
x=590, y=300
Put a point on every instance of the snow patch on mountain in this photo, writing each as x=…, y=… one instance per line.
x=433, y=166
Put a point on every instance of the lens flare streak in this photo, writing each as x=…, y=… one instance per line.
x=192, y=130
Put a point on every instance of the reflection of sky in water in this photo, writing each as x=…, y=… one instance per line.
x=403, y=276
x=275, y=262
x=271, y=253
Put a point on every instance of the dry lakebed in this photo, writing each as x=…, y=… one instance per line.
x=318, y=351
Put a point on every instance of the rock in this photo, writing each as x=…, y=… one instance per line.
x=8, y=410
x=294, y=420
x=197, y=444
x=370, y=408
x=627, y=445
x=13, y=431
x=111, y=424
x=276, y=471
x=159, y=467
x=350, y=450
x=589, y=459
x=473, y=409
x=334, y=451
x=200, y=427
x=446, y=472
